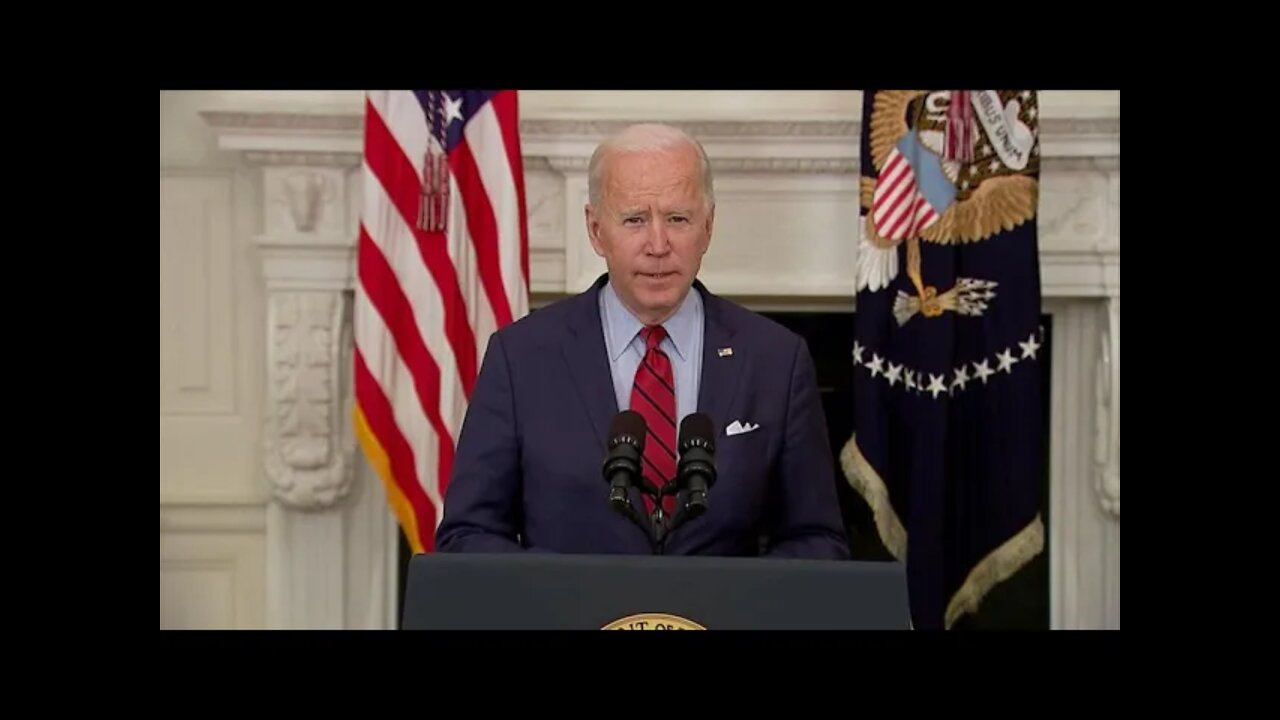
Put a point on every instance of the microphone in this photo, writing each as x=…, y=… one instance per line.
x=696, y=471
x=622, y=464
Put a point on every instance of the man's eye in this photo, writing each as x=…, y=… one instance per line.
x=632, y=220
x=679, y=218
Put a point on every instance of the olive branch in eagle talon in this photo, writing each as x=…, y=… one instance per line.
x=969, y=297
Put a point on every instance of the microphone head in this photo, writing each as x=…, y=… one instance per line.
x=696, y=430
x=696, y=469
x=628, y=427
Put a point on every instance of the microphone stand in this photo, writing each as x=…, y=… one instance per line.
x=663, y=525
x=658, y=526
x=621, y=502
x=652, y=525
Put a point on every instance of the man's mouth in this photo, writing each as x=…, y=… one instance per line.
x=657, y=276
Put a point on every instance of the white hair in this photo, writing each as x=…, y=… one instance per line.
x=647, y=138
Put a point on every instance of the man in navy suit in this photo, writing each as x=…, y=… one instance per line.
x=528, y=472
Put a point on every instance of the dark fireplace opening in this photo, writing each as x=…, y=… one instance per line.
x=1021, y=602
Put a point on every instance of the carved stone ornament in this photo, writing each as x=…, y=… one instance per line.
x=308, y=464
x=306, y=193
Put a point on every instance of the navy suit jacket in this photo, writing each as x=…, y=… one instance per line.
x=528, y=471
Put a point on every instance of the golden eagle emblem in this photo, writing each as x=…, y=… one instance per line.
x=952, y=167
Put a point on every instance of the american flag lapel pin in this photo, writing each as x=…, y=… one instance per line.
x=725, y=352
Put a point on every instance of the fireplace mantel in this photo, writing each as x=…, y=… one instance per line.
x=801, y=166
x=785, y=231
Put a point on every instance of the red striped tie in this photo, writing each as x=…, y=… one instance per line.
x=653, y=396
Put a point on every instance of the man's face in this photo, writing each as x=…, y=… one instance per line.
x=652, y=228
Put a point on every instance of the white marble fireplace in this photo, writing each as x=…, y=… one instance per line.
x=785, y=238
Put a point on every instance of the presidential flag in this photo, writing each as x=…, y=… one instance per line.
x=442, y=263
x=948, y=447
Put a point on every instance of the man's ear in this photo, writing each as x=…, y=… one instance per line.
x=711, y=221
x=593, y=229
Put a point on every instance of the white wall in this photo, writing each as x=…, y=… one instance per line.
x=212, y=561
x=215, y=503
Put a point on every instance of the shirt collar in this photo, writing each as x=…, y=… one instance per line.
x=622, y=326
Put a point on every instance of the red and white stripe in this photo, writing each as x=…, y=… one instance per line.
x=960, y=128
x=898, y=209
x=427, y=302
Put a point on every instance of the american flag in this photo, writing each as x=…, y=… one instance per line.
x=949, y=406
x=442, y=263
x=899, y=209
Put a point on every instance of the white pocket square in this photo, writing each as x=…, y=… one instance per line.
x=737, y=428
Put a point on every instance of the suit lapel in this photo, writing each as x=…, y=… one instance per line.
x=584, y=352
x=588, y=365
x=721, y=364
x=588, y=362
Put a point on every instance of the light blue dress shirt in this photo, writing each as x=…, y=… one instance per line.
x=683, y=345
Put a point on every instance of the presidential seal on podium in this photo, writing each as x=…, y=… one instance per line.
x=653, y=621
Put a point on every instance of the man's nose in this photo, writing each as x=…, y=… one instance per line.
x=659, y=242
